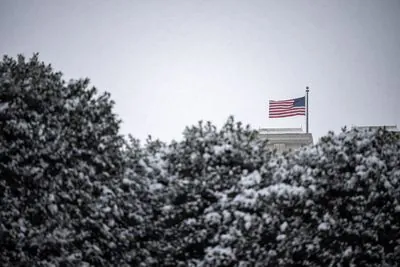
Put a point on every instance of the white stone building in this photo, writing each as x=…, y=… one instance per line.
x=284, y=139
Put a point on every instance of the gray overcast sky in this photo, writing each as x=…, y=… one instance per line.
x=169, y=64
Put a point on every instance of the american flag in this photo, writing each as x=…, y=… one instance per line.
x=287, y=108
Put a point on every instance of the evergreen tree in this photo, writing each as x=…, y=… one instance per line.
x=73, y=192
x=59, y=151
x=205, y=166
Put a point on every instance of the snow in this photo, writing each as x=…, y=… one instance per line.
x=53, y=208
x=71, y=104
x=245, y=200
x=348, y=252
x=323, y=226
x=219, y=149
x=127, y=181
x=213, y=218
x=281, y=189
x=75, y=256
x=280, y=237
x=144, y=164
x=226, y=216
x=284, y=226
x=206, y=156
x=193, y=156
x=107, y=190
x=218, y=250
x=309, y=203
x=248, y=223
x=3, y=106
x=251, y=179
x=81, y=195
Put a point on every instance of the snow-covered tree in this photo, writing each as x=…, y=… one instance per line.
x=73, y=192
x=202, y=169
x=59, y=152
x=332, y=204
x=230, y=202
x=349, y=214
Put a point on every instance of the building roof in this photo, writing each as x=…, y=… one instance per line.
x=292, y=136
x=280, y=130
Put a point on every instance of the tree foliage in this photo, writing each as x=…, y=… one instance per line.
x=73, y=192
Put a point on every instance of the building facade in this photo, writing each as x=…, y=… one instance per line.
x=285, y=139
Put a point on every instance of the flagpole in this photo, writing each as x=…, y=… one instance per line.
x=307, y=91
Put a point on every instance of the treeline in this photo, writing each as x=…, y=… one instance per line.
x=74, y=192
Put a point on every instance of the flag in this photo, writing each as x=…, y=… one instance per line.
x=287, y=108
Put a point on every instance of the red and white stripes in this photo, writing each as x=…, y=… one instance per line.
x=285, y=108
